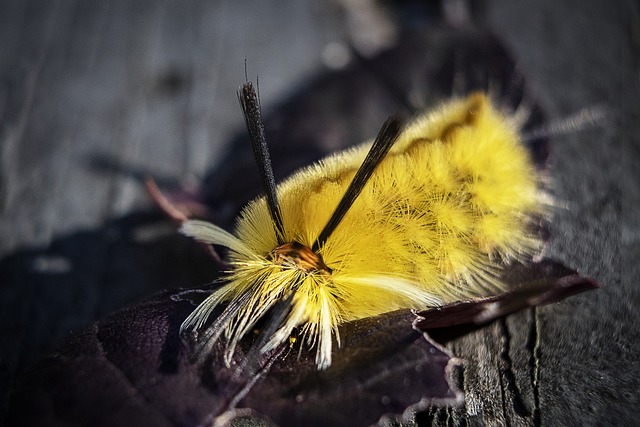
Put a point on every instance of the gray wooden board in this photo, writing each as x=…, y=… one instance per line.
x=95, y=94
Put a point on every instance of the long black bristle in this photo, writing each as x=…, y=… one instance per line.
x=253, y=119
x=386, y=137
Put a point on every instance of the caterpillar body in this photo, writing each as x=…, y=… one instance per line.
x=435, y=221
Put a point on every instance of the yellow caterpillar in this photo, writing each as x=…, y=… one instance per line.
x=440, y=215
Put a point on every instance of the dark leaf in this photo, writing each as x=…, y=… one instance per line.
x=383, y=367
x=133, y=369
x=534, y=284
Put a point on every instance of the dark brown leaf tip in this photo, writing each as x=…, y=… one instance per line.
x=535, y=284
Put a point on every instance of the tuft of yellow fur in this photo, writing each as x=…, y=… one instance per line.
x=448, y=206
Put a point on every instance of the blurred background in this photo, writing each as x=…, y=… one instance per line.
x=95, y=96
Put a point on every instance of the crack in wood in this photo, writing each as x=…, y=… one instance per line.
x=533, y=346
x=519, y=405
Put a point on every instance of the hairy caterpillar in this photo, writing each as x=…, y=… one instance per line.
x=421, y=217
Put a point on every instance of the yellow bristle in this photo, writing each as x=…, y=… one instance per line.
x=450, y=202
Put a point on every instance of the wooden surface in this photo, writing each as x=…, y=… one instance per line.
x=94, y=95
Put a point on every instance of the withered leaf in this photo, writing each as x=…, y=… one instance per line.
x=133, y=368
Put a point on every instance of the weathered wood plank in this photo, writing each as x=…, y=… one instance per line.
x=95, y=94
